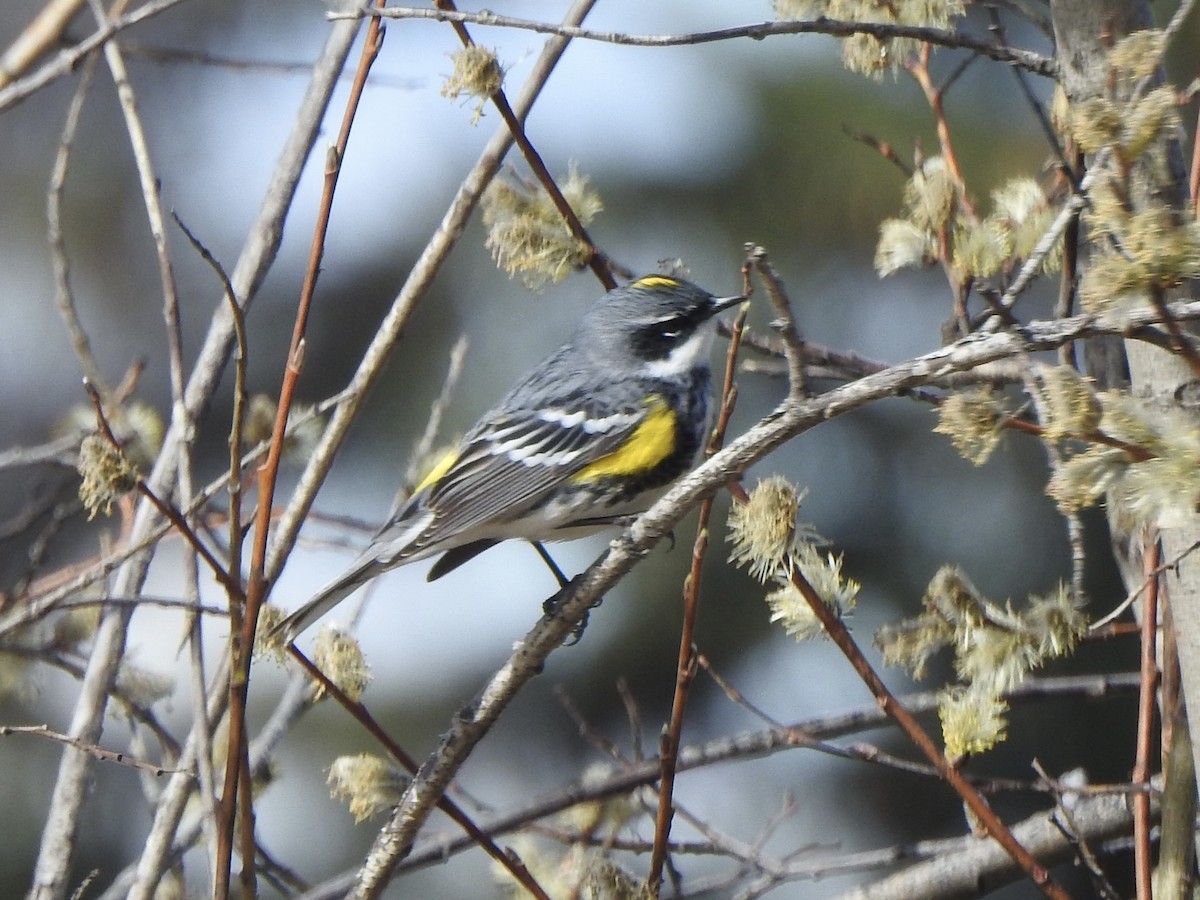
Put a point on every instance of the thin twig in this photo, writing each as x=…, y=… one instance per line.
x=723, y=750
x=1182, y=343
x=37, y=37
x=1055, y=457
x=241, y=363
x=95, y=750
x=77, y=667
x=788, y=420
x=1064, y=821
x=1099, y=624
x=362, y=715
x=596, y=260
x=885, y=149
x=169, y=56
x=1032, y=265
x=64, y=297
x=586, y=729
x=686, y=667
x=243, y=632
x=201, y=731
x=735, y=696
x=148, y=181
x=1026, y=59
x=62, y=451
x=66, y=61
x=840, y=635
x=1143, y=860
x=935, y=97
x=1068, y=284
x=837, y=631
x=1031, y=100
x=785, y=322
x=167, y=510
x=433, y=425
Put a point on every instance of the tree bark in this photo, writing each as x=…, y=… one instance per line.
x=1085, y=30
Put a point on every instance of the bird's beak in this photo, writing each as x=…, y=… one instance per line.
x=720, y=304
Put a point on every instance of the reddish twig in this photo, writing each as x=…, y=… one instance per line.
x=597, y=261
x=837, y=631
x=888, y=702
x=934, y=96
x=1135, y=452
x=362, y=715
x=167, y=510
x=1143, y=859
x=686, y=671
x=1181, y=343
x=242, y=632
x=885, y=149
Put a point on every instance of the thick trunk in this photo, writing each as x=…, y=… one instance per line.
x=1085, y=30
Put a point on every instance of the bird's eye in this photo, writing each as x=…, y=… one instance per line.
x=659, y=339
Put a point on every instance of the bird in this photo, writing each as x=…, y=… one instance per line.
x=586, y=439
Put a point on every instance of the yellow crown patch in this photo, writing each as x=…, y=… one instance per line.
x=651, y=281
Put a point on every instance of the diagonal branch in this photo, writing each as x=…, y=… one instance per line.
x=815, y=733
x=791, y=418
x=516, y=127
x=50, y=877
x=423, y=271
x=686, y=668
x=66, y=61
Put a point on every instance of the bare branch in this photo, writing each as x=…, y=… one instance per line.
x=789, y=420
x=37, y=37
x=1024, y=58
x=807, y=734
x=980, y=866
x=99, y=752
x=66, y=61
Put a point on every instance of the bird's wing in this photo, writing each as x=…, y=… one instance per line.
x=507, y=465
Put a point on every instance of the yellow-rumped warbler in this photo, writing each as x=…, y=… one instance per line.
x=592, y=435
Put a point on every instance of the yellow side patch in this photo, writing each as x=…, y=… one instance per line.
x=651, y=281
x=435, y=474
x=651, y=443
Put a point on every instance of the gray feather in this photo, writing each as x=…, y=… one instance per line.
x=329, y=597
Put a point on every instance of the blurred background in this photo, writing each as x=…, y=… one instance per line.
x=695, y=151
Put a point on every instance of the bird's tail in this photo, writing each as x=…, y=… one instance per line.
x=329, y=597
